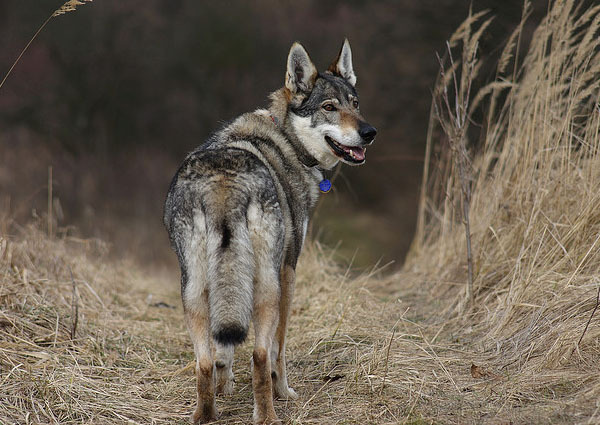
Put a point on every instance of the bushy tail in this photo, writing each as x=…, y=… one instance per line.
x=230, y=281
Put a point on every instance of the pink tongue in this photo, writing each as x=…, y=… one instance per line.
x=359, y=153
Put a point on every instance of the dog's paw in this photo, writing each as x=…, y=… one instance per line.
x=286, y=393
x=224, y=380
x=274, y=421
x=225, y=387
x=204, y=414
x=270, y=419
x=283, y=392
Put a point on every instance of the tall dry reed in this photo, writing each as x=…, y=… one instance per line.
x=535, y=207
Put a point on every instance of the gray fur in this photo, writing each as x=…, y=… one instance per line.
x=206, y=216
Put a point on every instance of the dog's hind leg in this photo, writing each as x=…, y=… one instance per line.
x=279, y=373
x=198, y=326
x=266, y=232
x=194, y=276
x=224, y=368
x=265, y=322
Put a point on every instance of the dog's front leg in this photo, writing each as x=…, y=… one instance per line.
x=279, y=373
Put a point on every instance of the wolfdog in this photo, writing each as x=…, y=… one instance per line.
x=237, y=212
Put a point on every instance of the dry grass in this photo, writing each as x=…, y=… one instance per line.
x=369, y=348
x=357, y=353
x=535, y=217
x=130, y=360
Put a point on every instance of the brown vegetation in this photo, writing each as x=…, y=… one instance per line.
x=535, y=215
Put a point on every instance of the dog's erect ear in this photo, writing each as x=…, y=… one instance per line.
x=301, y=73
x=343, y=64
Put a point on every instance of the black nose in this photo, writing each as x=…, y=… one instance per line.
x=367, y=132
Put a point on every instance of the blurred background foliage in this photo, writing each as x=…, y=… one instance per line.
x=113, y=95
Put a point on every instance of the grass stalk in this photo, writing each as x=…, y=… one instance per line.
x=68, y=6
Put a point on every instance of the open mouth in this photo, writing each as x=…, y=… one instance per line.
x=351, y=154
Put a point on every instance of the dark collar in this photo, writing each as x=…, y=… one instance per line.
x=305, y=158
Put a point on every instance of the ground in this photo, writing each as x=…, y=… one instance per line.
x=368, y=348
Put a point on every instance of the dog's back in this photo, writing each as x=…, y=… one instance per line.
x=209, y=212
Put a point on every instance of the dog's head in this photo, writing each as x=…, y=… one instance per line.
x=324, y=109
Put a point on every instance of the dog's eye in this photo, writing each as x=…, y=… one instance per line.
x=329, y=107
x=355, y=103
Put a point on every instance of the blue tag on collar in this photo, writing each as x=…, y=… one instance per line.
x=325, y=185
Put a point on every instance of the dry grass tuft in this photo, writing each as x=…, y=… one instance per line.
x=78, y=342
